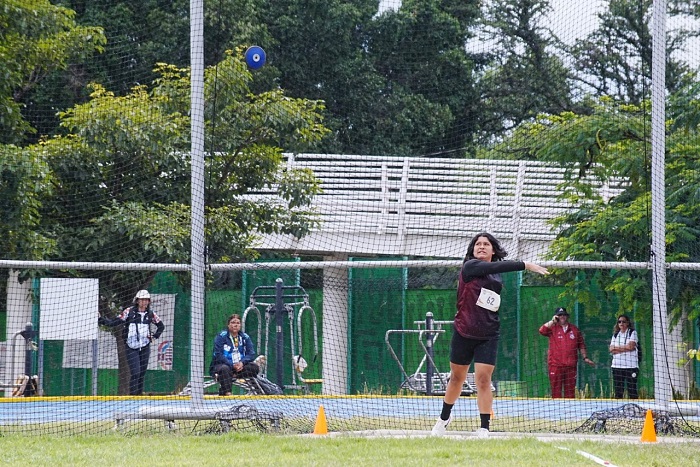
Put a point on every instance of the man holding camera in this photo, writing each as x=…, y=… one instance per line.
x=565, y=343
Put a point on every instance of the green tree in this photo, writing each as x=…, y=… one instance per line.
x=399, y=83
x=612, y=144
x=36, y=38
x=430, y=104
x=120, y=176
x=129, y=155
x=524, y=76
x=615, y=59
x=139, y=34
x=25, y=184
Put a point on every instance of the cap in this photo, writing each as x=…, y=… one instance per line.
x=561, y=311
x=299, y=363
x=142, y=294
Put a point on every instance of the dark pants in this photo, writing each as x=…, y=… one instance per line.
x=225, y=375
x=562, y=377
x=138, y=364
x=622, y=376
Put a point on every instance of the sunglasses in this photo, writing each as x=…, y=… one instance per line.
x=622, y=321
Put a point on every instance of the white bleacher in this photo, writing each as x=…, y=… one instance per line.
x=373, y=205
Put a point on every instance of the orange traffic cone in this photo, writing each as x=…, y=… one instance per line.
x=321, y=427
x=649, y=432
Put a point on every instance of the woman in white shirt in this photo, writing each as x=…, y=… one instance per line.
x=625, y=363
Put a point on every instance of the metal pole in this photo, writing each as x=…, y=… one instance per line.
x=429, y=348
x=28, y=334
x=279, y=348
x=36, y=313
x=40, y=367
x=197, y=200
x=95, y=365
x=518, y=324
x=662, y=379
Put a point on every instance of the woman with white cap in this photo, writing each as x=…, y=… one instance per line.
x=136, y=332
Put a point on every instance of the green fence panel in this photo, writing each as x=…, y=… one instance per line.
x=373, y=310
x=537, y=306
x=522, y=357
x=506, y=364
x=312, y=357
x=171, y=382
x=3, y=323
x=442, y=304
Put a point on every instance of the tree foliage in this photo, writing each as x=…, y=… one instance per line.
x=524, y=75
x=120, y=175
x=36, y=38
x=615, y=59
x=383, y=78
x=400, y=83
x=25, y=183
x=429, y=87
x=611, y=145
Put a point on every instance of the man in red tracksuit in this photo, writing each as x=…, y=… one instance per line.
x=565, y=342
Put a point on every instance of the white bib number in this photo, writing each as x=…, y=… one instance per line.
x=235, y=355
x=489, y=299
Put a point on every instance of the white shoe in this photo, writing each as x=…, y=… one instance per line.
x=440, y=426
x=482, y=433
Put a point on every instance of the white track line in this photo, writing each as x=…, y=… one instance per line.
x=595, y=459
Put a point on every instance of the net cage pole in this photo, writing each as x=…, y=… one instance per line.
x=430, y=354
x=279, y=337
x=662, y=380
x=197, y=195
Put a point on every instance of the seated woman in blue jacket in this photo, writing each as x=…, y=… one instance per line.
x=233, y=356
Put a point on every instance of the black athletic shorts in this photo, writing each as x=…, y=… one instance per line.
x=463, y=350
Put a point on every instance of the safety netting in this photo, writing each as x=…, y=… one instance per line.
x=314, y=171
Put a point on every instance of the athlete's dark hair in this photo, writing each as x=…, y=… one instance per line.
x=498, y=252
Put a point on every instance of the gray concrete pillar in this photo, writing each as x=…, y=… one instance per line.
x=335, y=328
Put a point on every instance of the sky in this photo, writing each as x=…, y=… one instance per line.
x=574, y=18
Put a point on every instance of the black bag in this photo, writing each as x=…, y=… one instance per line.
x=639, y=352
x=268, y=387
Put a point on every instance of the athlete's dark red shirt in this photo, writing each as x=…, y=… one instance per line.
x=472, y=321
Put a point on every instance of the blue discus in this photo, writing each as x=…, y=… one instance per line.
x=255, y=57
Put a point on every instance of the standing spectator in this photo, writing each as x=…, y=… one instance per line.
x=136, y=321
x=625, y=360
x=477, y=326
x=233, y=356
x=565, y=343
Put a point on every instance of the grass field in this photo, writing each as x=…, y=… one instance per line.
x=180, y=449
